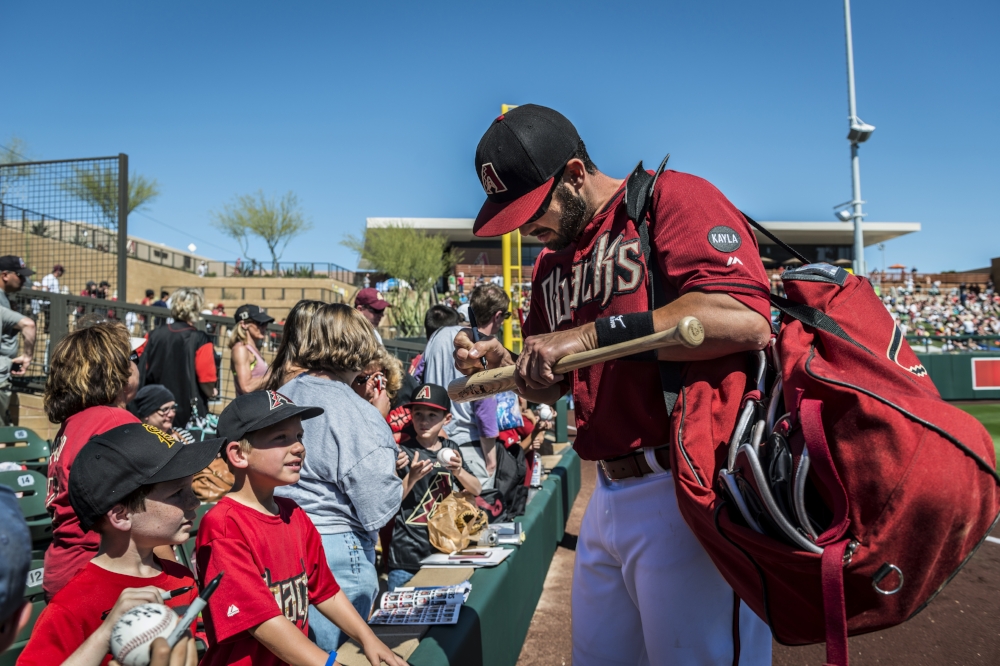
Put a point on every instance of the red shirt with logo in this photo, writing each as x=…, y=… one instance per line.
x=71, y=548
x=273, y=565
x=700, y=241
x=85, y=601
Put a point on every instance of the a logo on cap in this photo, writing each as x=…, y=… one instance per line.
x=277, y=400
x=491, y=181
x=423, y=394
x=160, y=435
x=244, y=315
x=20, y=261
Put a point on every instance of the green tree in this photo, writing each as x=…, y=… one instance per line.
x=416, y=259
x=16, y=151
x=276, y=222
x=98, y=186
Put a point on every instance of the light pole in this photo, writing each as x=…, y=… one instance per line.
x=859, y=133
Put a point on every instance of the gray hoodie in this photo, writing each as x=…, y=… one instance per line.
x=348, y=481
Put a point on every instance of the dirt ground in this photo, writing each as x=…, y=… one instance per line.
x=961, y=626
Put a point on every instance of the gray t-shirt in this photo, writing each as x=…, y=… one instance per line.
x=348, y=481
x=8, y=341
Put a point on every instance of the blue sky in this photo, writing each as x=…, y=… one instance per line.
x=375, y=109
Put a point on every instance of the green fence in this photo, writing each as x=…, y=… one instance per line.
x=953, y=374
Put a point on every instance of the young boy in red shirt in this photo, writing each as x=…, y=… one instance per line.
x=270, y=551
x=132, y=485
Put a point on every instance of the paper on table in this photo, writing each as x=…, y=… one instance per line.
x=497, y=555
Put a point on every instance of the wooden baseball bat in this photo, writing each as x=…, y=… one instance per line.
x=688, y=332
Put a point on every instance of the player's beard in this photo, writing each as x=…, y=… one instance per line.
x=575, y=215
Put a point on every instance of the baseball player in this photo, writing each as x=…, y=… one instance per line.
x=644, y=591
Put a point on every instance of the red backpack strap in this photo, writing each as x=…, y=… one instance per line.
x=834, y=605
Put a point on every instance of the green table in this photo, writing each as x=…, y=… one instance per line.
x=494, y=621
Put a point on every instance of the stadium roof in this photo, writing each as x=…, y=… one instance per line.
x=459, y=229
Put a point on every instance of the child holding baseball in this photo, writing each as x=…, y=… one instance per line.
x=131, y=485
x=271, y=553
x=428, y=477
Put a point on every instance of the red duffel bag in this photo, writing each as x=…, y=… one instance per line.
x=849, y=493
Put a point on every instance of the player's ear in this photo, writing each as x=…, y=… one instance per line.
x=233, y=454
x=119, y=518
x=575, y=174
x=447, y=418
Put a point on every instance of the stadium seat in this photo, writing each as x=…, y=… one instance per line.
x=23, y=445
x=31, y=486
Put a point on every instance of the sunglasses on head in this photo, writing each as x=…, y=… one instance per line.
x=134, y=357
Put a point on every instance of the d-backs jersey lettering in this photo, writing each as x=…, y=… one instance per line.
x=700, y=241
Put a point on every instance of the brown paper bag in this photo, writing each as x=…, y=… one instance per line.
x=455, y=522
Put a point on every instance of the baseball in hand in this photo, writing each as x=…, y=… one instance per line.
x=137, y=629
x=444, y=456
x=545, y=412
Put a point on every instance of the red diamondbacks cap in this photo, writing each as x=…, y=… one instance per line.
x=516, y=162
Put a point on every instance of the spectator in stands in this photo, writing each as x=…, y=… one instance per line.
x=91, y=380
x=148, y=300
x=15, y=559
x=438, y=316
x=348, y=484
x=219, y=310
x=51, y=281
x=380, y=381
x=154, y=405
x=90, y=289
x=104, y=290
x=164, y=298
x=371, y=304
x=425, y=482
x=13, y=275
x=132, y=488
x=182, y=358
x=11, y=363
x=474, y=425
x=296, y=336
x=248, y=366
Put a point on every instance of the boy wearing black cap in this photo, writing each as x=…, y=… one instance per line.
x=269, y=549
x=133, y=485
x=426, y=481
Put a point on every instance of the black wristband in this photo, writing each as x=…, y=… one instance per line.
x=622, y=328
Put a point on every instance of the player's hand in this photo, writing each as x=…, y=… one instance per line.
x=402, y=461
x=419, y=468
x=455, y=464
x=469, y=357
x=378, y=653
x=541, y=352
x=25, y=361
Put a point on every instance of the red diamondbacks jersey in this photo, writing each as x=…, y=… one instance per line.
x=274, y=565
x=702, y=243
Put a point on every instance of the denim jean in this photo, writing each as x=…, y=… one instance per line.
x=399, y=578
x=351, y=557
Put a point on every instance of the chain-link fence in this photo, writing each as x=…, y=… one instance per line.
x=68, y=212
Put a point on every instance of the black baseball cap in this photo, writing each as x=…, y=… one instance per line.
x=431, y=395
x=118, y=462
x=258, y=410
x=517, y=161
x=15, y=264
x=253, y=313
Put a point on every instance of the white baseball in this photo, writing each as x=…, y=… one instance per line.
x=545, y=412
x=137, y=629
x=445, y=456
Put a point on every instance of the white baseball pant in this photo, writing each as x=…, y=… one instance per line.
x=646, y=592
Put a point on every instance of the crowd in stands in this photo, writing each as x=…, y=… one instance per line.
x=138, y=455
x=967, y=310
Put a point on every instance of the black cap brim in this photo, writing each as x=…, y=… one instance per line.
x=25, y=272
x=262, y=318
x=426, y=403
x=191, y=459
x=271, y=417
x=497, y=219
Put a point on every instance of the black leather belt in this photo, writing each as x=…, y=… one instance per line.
x=632, y=465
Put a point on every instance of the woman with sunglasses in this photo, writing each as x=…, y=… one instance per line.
x=154, y=405
x=248, y=366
